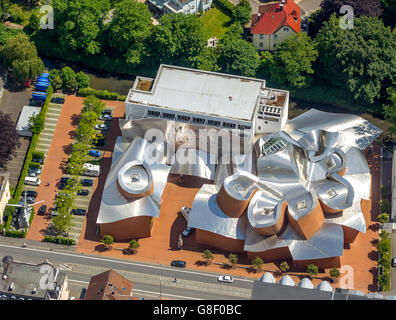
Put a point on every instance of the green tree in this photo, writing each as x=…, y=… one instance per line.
x=292, y=61
x=91, y=103
x=257, y=263
x=107, y=240
x=312, y=269
x=63, y=222
x=130, y=27
x=207, y=60
x=362, y=59
x=242, y=13
x=383, y=218
x=233, y=258
x=69, y=80
x=389, y=14
x=208, y=256
x=335, y=273
x=237, y=56
x=55, y=78
x=284, y=266
x=9, y=142
x=4, y=7
x=78, y=25
x=21, y=55
x=82, y=80
x=37, y=123
x=133, y=245
x=390, y=108
x=177, y=40
x=34, y=23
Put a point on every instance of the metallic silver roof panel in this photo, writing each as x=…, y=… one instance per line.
x=354, y=130
x=351, y=217
x=114, y=206
x=206, y=215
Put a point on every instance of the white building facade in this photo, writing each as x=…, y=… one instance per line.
x=204, y=98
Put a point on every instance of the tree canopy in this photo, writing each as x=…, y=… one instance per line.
x=9, y=141
x=127, y=32
x=292, y=61
x=363, y=59
x=178, y=39
x=20, y=54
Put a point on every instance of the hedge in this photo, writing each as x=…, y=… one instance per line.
x=225, y=6
x=56, y=239
x=34, y=165
x=101, y=94
x=38, y=154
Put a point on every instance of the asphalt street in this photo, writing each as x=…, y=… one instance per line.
x=150, y=281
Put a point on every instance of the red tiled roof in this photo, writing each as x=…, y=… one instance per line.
x=109, y=285
x=272, y=17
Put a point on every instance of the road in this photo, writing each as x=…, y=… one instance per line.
x=149, y=280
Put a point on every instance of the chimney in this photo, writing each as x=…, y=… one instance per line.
x=281, y=7
x=258, y=16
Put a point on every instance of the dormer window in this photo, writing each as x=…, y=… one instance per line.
x=332, y=193
x=302, y=204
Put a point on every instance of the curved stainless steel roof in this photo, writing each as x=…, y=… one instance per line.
x=206, y=215
x=241, y=185
x=305, y=283
x=264, y=209
x=287, y=281
x=324, y=286
x=268, y=278
x=135, y=177
x=114, y=206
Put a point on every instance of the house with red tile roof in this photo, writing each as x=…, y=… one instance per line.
x=274, y=23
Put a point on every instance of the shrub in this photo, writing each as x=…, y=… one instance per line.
x=334, y=272
x=284, y=266
x=225, y=6
x=69, y=80
x=312, y=269
x=37, y=154
x=82, y=80
x=208, y=256
x=233, y=258
x=34, y=165
x=15, y=233
x=383, y=218
x=101, y=94
x=57, y=239
x=257, y=263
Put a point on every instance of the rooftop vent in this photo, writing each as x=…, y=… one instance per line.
x=332, y=193
x=11, y=287
x=302, y=204
x=34, y=291
x=4, y=277
x=330, y=164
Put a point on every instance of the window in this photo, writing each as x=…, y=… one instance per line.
x=168, y=115
x=183, y=118
x=198, y=120
x=261, y=36
x=275, y=37
x=213, y=123
x=152, y=113
x=261, y=45
x=330, y=164
x=332, y=193
x=135, y=177
x=302, y=204
x=229, y=125
x=271, y=119
x=285, y=29
x=243, y=127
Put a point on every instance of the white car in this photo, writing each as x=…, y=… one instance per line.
x=187, y=231
x=227, y=279
x=102, y=126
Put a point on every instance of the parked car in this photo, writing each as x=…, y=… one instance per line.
x=87, y=182
x=35, y=170
x=99, y=136
x=227, y=279
x=78, y=212
x=99, y=142
x=41, y=210
x=105, y=116
x=29, y=199
x=29, y=193
x=94, y=153
x=393, y=262
x=187, y=231
x=64, y=179
x=83, y=192
x=58, y=100
x=178, y=263
x=39, y=160
x=107, y=111
x=32, y=174
x=102, y=126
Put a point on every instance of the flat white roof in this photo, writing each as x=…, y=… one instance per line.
x=197, y=91
x=23, y=126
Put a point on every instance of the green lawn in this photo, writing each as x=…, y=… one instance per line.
x=215, y=23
